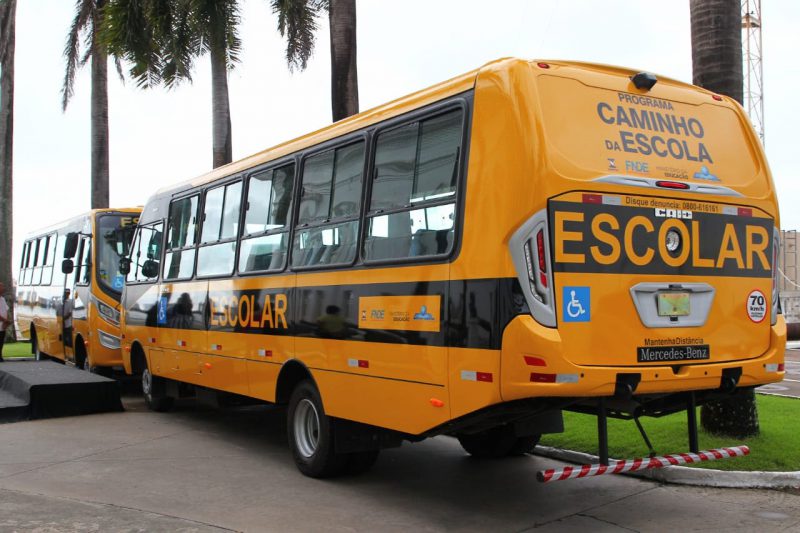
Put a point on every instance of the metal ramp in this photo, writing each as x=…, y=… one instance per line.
x=31, y=390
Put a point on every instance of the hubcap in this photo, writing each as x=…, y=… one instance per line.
x=306, y=427
x=147, y=382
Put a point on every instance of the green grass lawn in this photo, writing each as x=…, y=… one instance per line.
x=16, y=349
x=776, y=449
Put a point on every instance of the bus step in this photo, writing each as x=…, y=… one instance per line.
x=632, y=465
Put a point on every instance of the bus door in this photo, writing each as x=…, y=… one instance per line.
x=181, y=301
x=76, y=302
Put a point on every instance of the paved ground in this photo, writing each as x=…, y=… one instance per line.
x=198, y=469
x=790, y=386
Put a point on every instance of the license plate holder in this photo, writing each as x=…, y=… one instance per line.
x=674, y=303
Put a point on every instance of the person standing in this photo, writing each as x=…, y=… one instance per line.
x=3, y=318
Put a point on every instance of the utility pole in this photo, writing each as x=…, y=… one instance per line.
x=753, y=69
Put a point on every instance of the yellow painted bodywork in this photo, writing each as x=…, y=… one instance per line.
x=529, y=142
x=48, y=323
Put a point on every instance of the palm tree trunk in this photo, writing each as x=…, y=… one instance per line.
x=717, y=46
x=220, y=108
x=344, y=71
x=8, y=11
x=99, y=128
x=717, y=66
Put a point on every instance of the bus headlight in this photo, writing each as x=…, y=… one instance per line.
x=108, y=312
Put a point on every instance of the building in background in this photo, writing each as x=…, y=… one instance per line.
x=788, y=280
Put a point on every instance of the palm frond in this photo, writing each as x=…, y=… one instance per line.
x=297, y=21
x=82, y=23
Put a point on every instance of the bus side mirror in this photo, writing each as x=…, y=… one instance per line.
x=124, y=266
x=71, y=246
x=67, y=266
x=150, y=269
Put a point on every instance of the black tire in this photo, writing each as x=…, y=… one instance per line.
x=104, y=371
x=153, y=390
x=497, y=442
x=311, y=434
x=360, y=462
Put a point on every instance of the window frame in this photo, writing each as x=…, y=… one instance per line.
x=364, y=136
x=223, y=184
x=183, y=195
x=288, y=229
x=137, y=235
x=462, y=102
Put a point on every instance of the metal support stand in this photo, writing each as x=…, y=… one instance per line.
x=691, y=418
x=602, y=430
x=644, y=436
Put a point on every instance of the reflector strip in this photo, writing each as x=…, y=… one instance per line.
x=632, y=465
x=471, y=375
x=612, y=200
x=152, y=340
x=593, y=198
x=728, y=210
x=773, y=367
x=265, y=353
x=534, y=361
x=181, y=343
x=357, y=363
x=745, y=212
x=216, y=346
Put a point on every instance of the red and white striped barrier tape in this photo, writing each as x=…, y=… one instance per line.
x=632, y=465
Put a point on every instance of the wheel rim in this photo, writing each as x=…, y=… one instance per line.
x=306, y=427
x=147, y=382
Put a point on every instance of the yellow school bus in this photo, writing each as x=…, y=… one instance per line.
x=71, y=270
x=469, y=260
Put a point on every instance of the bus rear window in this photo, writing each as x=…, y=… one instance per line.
x=673, y=132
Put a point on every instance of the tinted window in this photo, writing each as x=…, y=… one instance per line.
x=182, y=223
x=331, y=195
x=182, y=229
x=220, y=223
x=265, y=237
x=416, y=169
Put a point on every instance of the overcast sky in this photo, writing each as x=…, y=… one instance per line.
x=160, y=137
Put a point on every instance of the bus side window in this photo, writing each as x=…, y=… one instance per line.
x=22, y=272
x=84, y=274
x=135, y=256
x=145, y=254
x=412, y=206
x=49, y=259
x=38, y=256
x=181, y=237
x=220, y=227
x=330, y=201
x=265, y=233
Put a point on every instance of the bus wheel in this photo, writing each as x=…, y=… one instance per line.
x=311, y=434
x=38, y=354
x=154, y=394
x=497, y=442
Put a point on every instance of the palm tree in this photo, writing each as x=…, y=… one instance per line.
x=297, y=22
x=85, y=27
x=161, y=39
x=717, y=66
x=8, y=13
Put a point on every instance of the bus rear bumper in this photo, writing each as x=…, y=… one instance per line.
x=531, y=367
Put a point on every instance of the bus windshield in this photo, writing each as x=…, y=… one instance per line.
x=114, y=234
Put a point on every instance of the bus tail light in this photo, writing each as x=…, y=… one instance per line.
x=776, y=297
x=530, y=251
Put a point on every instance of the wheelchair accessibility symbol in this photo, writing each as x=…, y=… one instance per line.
x=576, y=303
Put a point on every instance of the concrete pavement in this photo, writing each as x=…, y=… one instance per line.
x=199, y=469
